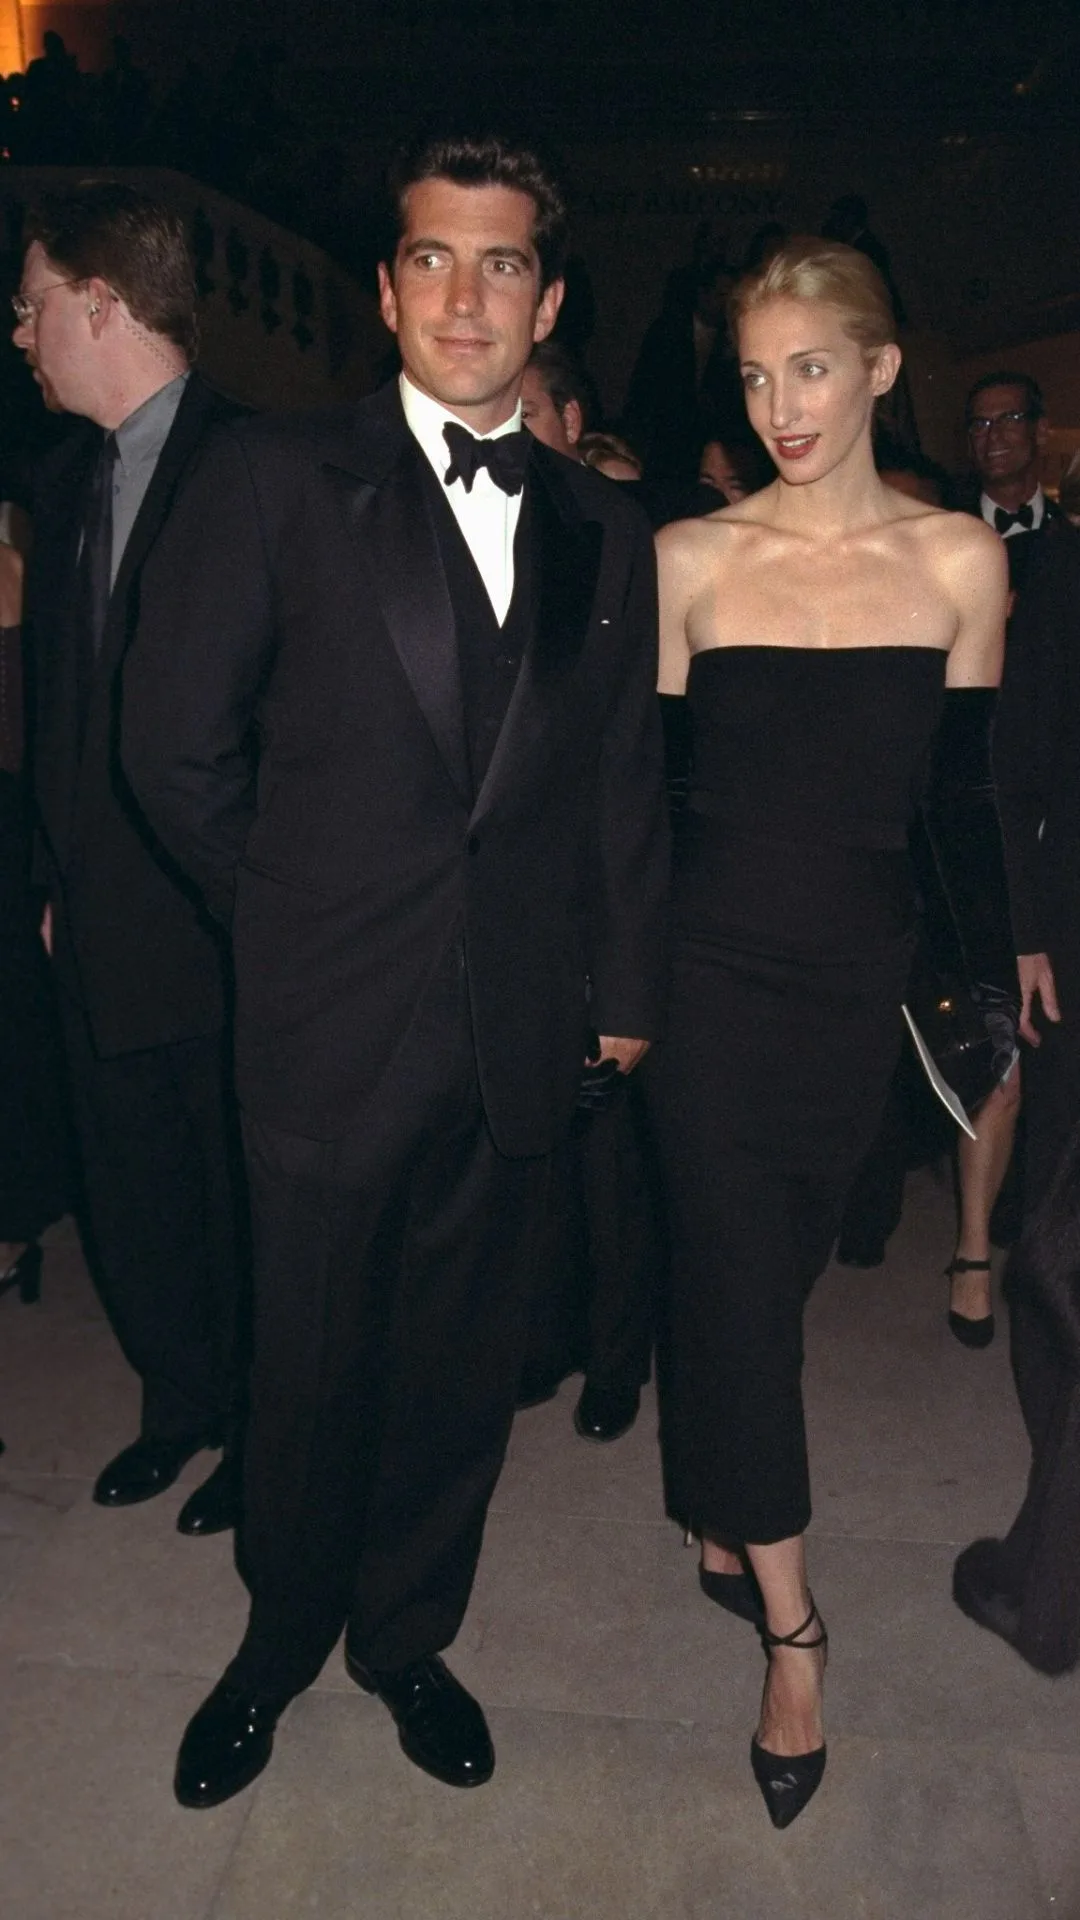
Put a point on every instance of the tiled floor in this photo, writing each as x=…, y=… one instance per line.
x=620, y=1701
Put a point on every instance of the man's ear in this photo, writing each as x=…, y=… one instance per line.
x=548, y=311
x=573, y=421
x=98, y=301
x=387, y=298
x=1042, y=432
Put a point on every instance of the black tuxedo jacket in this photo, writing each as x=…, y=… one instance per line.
x=294, y=729
x=1037, y=754
x=133, y=941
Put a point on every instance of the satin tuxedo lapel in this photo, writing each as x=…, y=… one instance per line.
x=566, y=550
x=390, y=527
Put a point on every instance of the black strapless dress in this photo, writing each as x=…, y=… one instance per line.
x=793, y=933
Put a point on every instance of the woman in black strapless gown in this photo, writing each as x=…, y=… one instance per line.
x=812, y=629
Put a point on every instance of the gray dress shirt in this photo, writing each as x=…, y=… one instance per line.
x=139, y=440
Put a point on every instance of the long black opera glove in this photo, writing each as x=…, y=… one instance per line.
x=964, y=830
x=675, y=720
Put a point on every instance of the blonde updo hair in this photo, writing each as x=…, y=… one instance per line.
x=825, y=271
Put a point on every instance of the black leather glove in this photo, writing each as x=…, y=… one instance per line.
x=964, y=831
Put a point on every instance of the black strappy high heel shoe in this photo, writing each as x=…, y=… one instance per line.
x=970, y=1333
x=25, y=1273
x=737, y=1593
x=788, y=1780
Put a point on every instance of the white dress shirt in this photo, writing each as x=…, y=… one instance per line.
x=487, y=516
x=1037, y=503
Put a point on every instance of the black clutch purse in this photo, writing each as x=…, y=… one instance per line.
x=954, y=1028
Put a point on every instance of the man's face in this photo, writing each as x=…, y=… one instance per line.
x=463, y=297
x=1006, y=443
x=556, y=427
x=57, y=339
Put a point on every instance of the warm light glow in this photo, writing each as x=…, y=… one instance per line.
x=12, y=44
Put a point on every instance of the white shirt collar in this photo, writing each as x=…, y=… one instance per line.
x=1037, y=503
x=426, y=420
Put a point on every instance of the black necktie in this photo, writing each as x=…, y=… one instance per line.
x=1023, y=517
x=95, y=559
x=504, y=458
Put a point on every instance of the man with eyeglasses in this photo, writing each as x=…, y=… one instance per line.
x=106, y=319
x=1006, y=428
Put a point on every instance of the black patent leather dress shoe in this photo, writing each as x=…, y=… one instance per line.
x=144, y=1470
x=606, y=1413
x=215, y=1506
x=226, y=1746
x=441, y=1727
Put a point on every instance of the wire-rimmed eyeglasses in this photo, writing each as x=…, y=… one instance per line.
x=27, y=306
x=1013, y=417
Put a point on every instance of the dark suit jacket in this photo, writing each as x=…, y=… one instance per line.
x=295, y=732
x=1037, y=753
x=133, y=942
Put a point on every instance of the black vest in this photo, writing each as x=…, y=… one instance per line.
x=489, y=656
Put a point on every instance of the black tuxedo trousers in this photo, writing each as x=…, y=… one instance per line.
x=160, y=1158
x=394, y=1273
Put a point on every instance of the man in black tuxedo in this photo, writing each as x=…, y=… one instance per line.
x=401, y=729
x=1006, y=427
x=106, y=318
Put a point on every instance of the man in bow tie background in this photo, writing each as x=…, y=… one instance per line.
x=402, y=731
x=1006, y=429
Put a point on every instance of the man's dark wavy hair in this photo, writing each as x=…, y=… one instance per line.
x=490, y=160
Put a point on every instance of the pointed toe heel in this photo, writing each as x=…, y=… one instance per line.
x=737, y=1593
x=788, y=1781
x=970, y=1333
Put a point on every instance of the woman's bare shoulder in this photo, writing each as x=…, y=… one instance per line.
x=969, y=556
x=707, y=540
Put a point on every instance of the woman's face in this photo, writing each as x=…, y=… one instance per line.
x=718, y=470
x=810, y=388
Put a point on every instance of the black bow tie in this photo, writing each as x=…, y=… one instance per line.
x=1023, y=517
x=504, y=458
